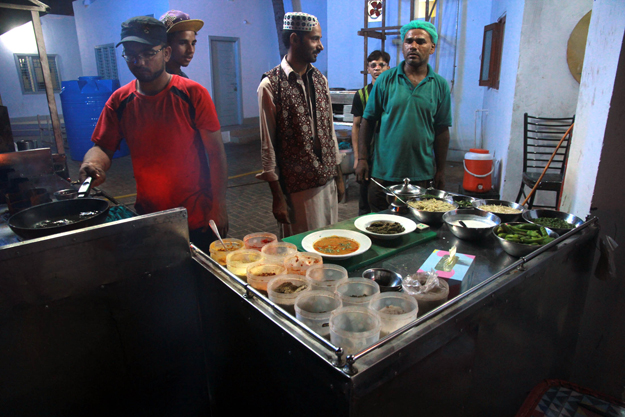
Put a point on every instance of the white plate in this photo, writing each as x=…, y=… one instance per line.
x=363, y=241
x=362, y=222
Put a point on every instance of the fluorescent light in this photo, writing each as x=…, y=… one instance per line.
x=20, y=40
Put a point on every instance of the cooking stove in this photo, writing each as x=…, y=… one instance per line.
x=32, y=173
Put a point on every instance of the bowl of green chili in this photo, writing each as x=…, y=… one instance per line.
x=520, y=238
x=558, y=221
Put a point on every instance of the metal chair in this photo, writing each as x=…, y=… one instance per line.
x=540, y=138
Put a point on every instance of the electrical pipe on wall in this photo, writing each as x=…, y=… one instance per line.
x=482, y=111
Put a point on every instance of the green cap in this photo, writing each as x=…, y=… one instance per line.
x=143, y=29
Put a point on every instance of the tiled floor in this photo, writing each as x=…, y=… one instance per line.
x=249, y=200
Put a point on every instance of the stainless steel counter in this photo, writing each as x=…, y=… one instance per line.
x=123, y=318
x=515, y=323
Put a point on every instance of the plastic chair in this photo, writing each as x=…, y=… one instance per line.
x=541, y=136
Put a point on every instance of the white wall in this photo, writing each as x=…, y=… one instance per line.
x=99, y=23
x=544, y=84
x=605, y=40
x=499, y=103
x=60, y=38
x=467, y=95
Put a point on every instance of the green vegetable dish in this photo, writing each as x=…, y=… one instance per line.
x=553, y=223
x=464, y=203
x=529, y=234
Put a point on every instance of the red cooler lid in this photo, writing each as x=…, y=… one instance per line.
x=478, y=155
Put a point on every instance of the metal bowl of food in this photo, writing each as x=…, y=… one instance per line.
x=430, y=210
x=558, y=221
x=505, y=232
x=432, y=193
x=387, y=280
x=464, y=201
x=476, y=224
x=507, y=211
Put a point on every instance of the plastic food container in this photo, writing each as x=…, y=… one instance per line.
x=357, y=291
x=395, y=310
x=238, y=261
x=258, y=240
x=284, y=290
x=313, y=308
x=325, y=277
x=430, y=300
x=299, y=262
x=354, y=328
x=277, y=252
x=218, y=253
x=260, y=273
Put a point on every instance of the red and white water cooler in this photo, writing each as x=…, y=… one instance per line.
x=478, y=171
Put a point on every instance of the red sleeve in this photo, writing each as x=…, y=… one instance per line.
x=107, y=132
x=205, y=112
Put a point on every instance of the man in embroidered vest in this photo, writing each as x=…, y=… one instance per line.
x=413, y=107
x=377, y=63
x=300, y=154
x=170, y=124
x=181, y=32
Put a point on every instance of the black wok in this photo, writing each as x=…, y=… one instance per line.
x=23, y=223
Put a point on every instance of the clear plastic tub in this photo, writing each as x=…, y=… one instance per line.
x=430, y=300
x=238, y=261
x=354, y=328
x=277, y=252
x=258, y=240
x=357, y=291
x=395, y=310
x=218, y=253
x=284, y=290
x=313, y=308
x=298, y=263
x=326, y=276
x=261, y=272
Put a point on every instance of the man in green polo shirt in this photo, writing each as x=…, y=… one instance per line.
x=413, y=106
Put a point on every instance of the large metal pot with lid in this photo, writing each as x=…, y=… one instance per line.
x=405, y=191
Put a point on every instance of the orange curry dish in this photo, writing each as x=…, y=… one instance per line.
x=336, y=245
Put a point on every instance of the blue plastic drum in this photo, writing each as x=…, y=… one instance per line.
x=82, y=101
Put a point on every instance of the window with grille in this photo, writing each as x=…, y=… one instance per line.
x=106, y=61
x=31, y=73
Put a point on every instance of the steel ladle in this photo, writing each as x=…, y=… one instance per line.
x=388, y=190
x=216, y=231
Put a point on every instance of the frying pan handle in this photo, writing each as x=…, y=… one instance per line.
x=85, y=188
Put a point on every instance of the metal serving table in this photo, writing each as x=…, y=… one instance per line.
x=124, y=319
x=515, y=323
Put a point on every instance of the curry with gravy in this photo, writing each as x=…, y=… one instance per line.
x=336, y=245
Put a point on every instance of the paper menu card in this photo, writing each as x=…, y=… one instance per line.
x=457, y=273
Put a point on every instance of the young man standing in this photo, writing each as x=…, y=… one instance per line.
x=181, y=32
x=300, y=153
x=377, y=63
x=413, y=107
x=170, y=124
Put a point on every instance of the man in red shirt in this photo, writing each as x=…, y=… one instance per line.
x=169, y=123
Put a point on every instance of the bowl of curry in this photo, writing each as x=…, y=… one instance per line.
x=336, y=243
